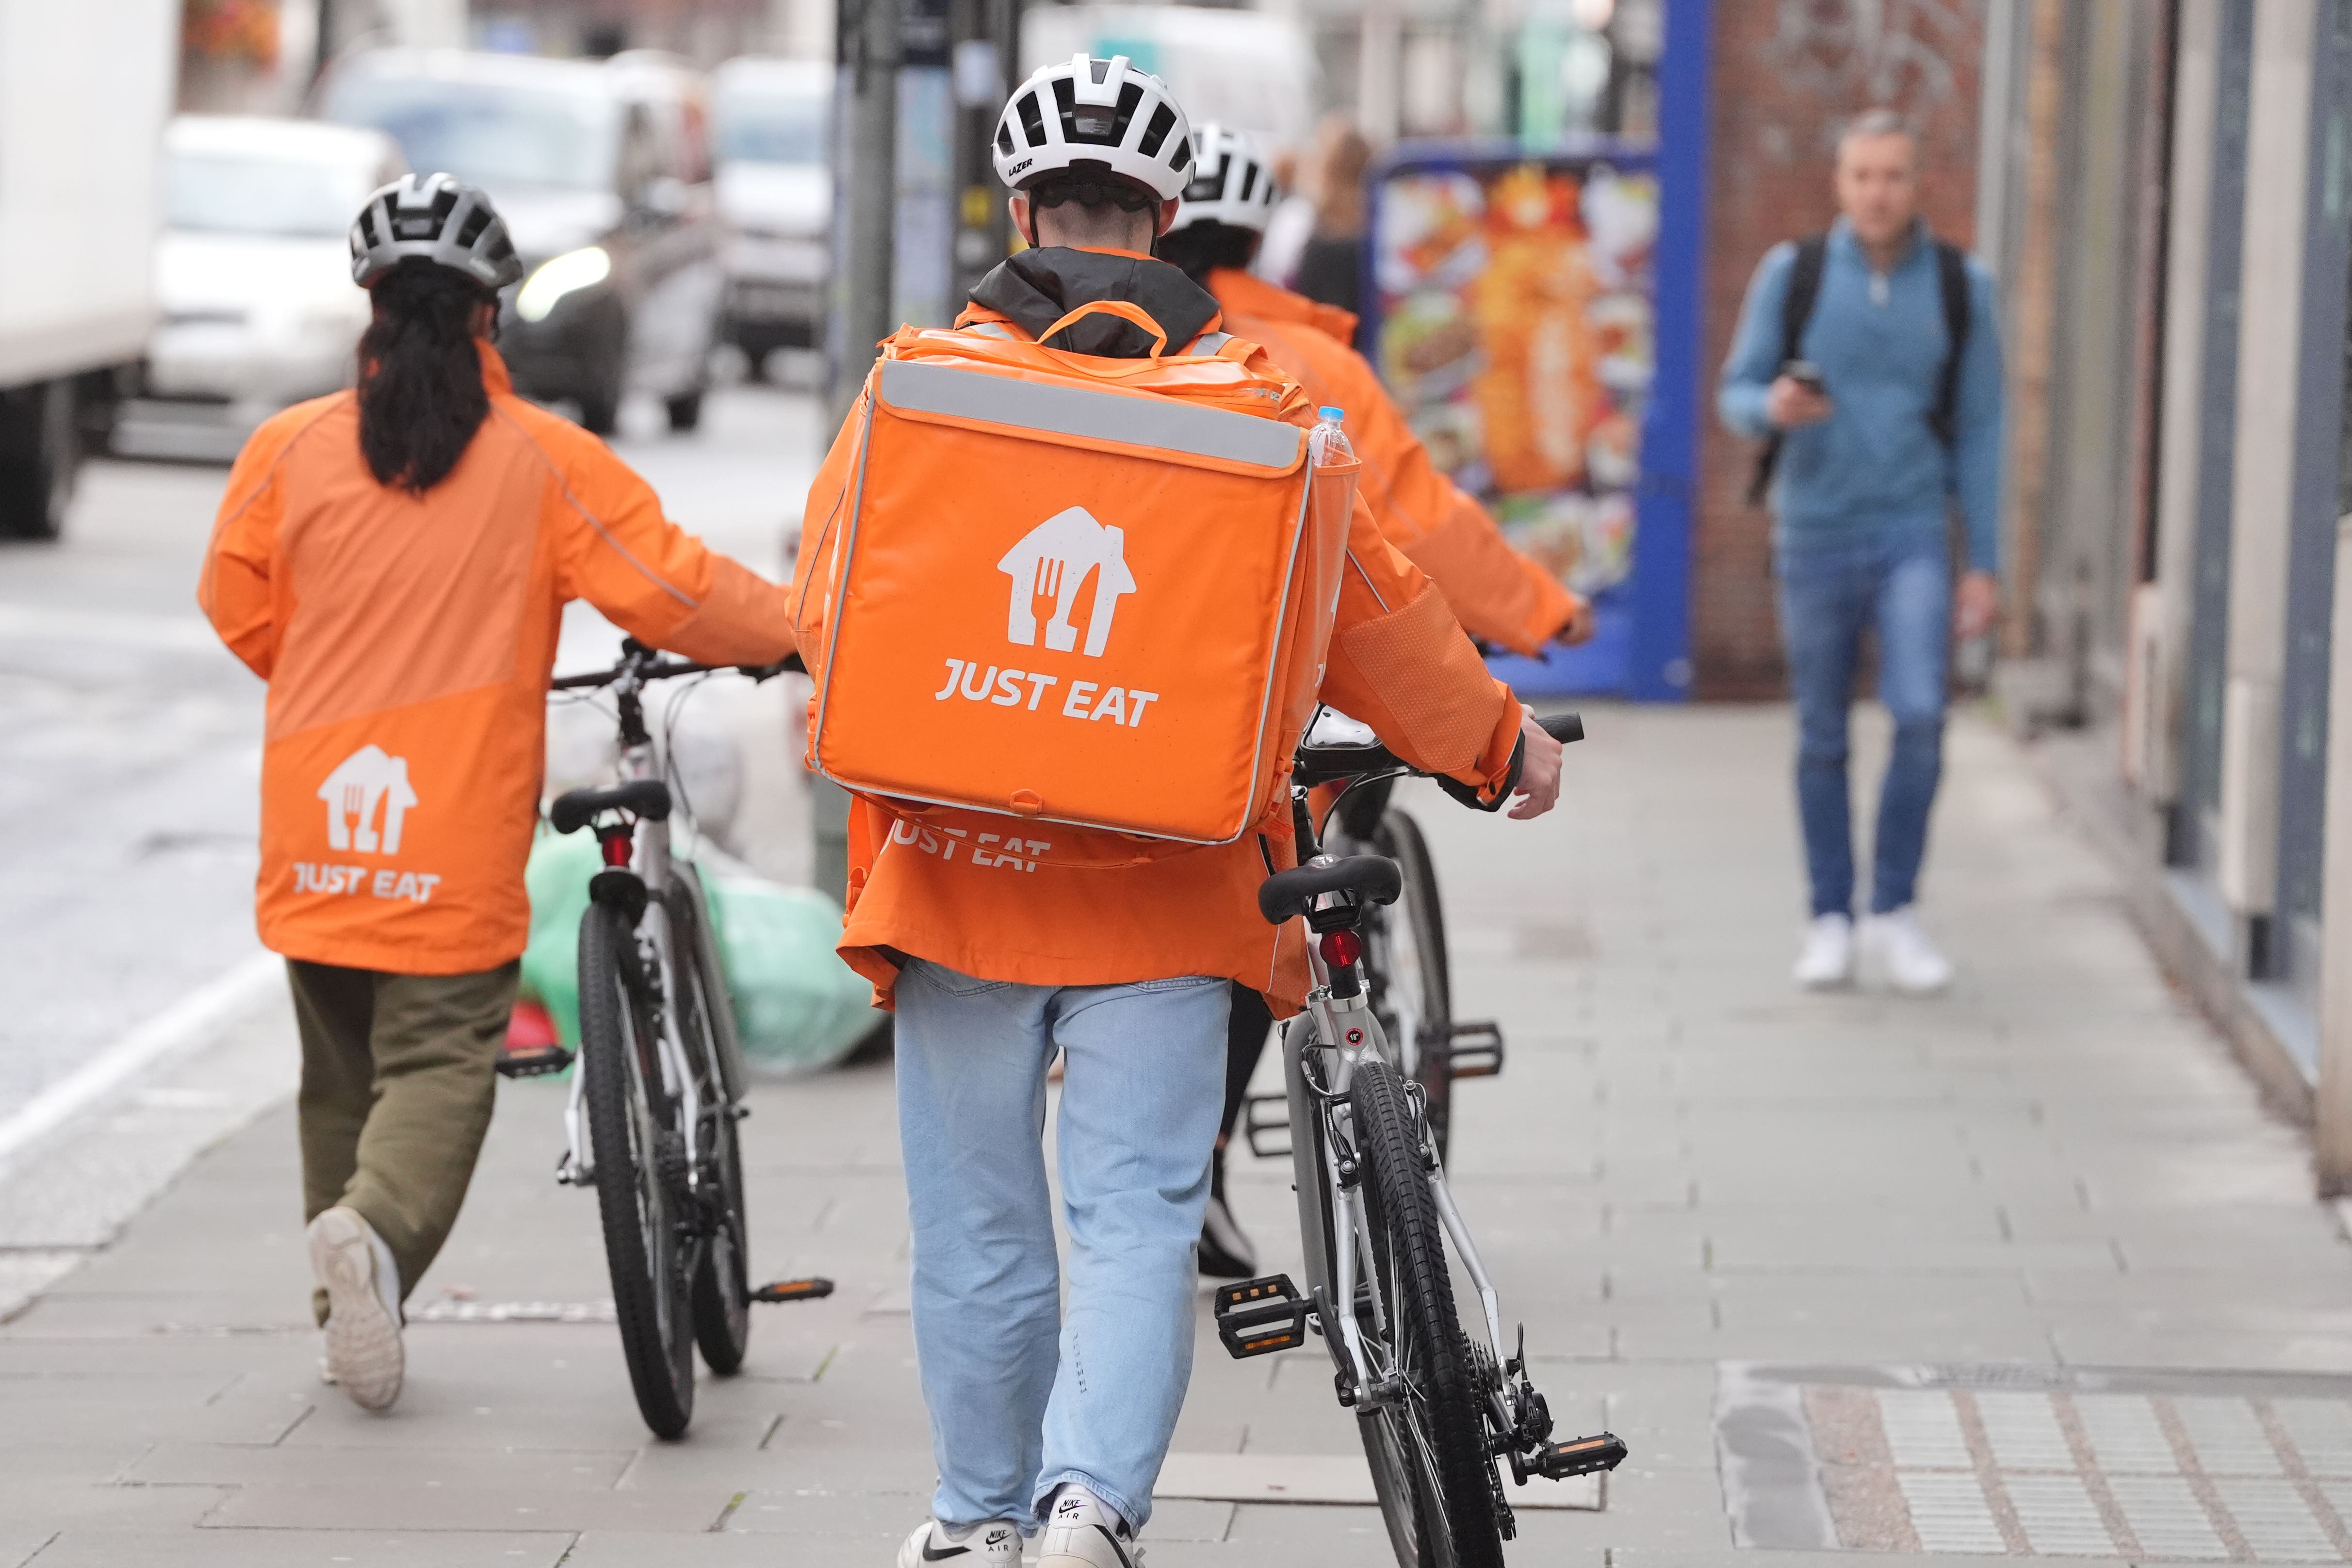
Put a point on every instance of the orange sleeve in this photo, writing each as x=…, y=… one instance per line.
x=236, y=592
x=655, y=581
x=1400, y=662
x=1499, y=594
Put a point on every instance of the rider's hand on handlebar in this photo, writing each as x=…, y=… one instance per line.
x=1538, y=789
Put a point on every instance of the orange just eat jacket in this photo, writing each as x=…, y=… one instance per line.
x=1397, y=660
x=407, y=642
x=1496, y=592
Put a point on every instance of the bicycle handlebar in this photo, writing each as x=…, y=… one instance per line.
x=640, y=662
x=1329, y=764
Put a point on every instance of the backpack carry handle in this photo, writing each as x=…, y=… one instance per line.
x=1127, y=310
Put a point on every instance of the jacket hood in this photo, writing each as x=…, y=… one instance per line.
x=1039, y=287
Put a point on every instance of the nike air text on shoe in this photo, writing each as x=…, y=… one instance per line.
x=1897, y=948
x=996, y=1544
x=1084, y=1531
x=1827, y=957
x=362, y=1284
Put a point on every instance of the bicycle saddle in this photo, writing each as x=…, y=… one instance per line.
x=1373, y=878
x=576, y=808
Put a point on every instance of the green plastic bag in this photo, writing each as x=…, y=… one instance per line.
x=797, y=1006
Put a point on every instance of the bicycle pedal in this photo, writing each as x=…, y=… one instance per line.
x=535, y=1061
x=1578, y=1457
x=811, y=1290
x=1259, y=1317
x=1260, y=1128
x=1475, y=1049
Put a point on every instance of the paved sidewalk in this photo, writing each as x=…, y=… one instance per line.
x=1853, y=1227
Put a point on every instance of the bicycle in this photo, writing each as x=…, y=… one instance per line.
x=1435, y=1407
x=1407, y=969
x=652, y=1119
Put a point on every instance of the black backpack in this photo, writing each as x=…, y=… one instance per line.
x=1796, y=310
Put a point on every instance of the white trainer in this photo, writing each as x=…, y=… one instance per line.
x=1827, y=958
x=352, y=1264
x=996, y=1544
x=1896, y=947
x=1084, y=1531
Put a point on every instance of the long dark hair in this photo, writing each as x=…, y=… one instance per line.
x=421, y=394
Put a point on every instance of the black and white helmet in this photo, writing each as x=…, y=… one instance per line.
x=436, y=218
x=1097, y=117
x=1231, y=184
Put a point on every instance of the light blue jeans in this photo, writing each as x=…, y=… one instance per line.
x=1898, y=584
x=1022, y=1395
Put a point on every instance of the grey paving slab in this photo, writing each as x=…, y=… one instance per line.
x=101, y=1548
x=370, y=1504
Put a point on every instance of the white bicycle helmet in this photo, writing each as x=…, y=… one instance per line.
x=436, y=218
x=1095, y=117
x=1231, y=184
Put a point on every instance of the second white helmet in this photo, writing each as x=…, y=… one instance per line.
x=1106, y=115
x=1232, y=182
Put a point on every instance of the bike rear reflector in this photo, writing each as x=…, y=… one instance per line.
x=1341, y=948
x=793, y=1291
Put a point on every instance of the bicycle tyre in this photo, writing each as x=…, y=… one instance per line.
x=1419, y=918
x=645, y=1235
x=722, y=1283
x=1437, y=1430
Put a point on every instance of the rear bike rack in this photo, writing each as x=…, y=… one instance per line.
x=1476, y=1050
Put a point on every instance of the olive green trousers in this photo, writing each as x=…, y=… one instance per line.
x=399, y=1074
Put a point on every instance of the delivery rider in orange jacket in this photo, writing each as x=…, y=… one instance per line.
x=1045, y=1418
x=1496, y=592
x=393, y=561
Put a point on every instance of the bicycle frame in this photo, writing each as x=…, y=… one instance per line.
x=1345, y=1031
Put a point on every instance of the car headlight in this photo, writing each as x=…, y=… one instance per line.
x=565, y=274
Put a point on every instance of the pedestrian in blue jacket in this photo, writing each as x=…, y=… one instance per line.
x=1869, y=359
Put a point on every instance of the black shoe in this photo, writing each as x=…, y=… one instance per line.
x=1225, y=1250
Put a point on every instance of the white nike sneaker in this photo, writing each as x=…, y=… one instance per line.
x=996, y=1544
x=1894, y=944
x=1827, y=958
x=352, y=1264
x=1084, y=1531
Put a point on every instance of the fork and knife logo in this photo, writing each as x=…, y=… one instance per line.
x=1050, y=565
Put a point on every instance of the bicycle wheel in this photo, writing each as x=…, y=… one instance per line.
x=639, y=1158
x=1428, y=1448
x=1411, y=982
x=722, y=1283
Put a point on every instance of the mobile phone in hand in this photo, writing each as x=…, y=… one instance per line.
x=1807, y=374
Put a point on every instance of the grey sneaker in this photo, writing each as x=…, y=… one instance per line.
x=1084, y=1531
x=1826, y=960
x=354, y=1267
x=1894, y=945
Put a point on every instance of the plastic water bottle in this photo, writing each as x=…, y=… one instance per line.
x=1328, y=442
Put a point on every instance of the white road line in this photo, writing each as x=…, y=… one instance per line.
x=2126, y=1437
x=2059, y=1517
x=2023, y=1431
x=2228, y=1439
x=1949, y=1513
x=1923, y=1429
x=2274, y=1520
x=2166, y=1517
x=184, y=1024
x=2322, y=1430
x=107, y=629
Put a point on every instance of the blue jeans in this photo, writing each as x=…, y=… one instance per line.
x=1900, y=583
x=1022, y=1395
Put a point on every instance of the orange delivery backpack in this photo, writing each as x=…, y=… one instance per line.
x=1076, y=608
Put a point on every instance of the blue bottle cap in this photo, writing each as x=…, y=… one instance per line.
x=1327, y=412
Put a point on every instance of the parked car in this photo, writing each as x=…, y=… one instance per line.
x=770, y=118
x=601, y=173
x=254, y=277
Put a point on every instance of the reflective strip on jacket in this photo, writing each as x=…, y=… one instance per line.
x=1496, y=592
x=407, y=642
x=1398, y=661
